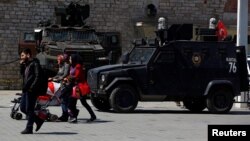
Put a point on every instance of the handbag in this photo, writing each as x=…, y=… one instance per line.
x=76, y=93
x=86, y=88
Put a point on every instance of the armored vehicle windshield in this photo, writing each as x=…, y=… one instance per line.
x=58, y=35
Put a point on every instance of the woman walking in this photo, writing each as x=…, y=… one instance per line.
x=78, y=82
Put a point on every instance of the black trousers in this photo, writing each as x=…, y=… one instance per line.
x=27, y=106
x=74, y=111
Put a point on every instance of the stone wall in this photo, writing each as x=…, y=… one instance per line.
x=18, y=16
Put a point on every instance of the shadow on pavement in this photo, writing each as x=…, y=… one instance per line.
x=140, y=111
x=56, y=133
x=4, y=106
x=84, y=121
x=167, y=112
x=150, y=111
x=239, y=112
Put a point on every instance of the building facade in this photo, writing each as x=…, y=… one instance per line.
x=19, y=16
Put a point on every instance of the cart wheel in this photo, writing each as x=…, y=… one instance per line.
x=18, y=116
x=53, y=117
x=12, y=115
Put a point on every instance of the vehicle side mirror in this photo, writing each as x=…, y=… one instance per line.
x=125, y=58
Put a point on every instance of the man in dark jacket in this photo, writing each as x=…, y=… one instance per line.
x=30, y=70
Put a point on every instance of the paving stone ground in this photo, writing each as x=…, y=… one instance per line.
x=152, y=121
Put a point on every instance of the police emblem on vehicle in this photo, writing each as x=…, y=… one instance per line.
x=196, y=59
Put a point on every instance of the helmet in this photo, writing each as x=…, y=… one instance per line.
x=212, y=23
x=161, y=23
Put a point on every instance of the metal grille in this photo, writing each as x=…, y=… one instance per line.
x=92, y=80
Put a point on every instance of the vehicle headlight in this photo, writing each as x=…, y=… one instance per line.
x=101, y=86
x=102, y=82
x=103, y=78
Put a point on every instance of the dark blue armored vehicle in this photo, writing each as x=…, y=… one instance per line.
x=202, y=74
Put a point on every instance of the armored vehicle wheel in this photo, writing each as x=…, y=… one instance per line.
x=195, y=105
x=12, y=115
x=123, y=99
x=220, y=101
x=100, y=104
x=18, y=116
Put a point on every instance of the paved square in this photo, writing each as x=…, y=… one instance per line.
x=152, y=121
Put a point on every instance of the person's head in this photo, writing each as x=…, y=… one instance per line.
x=25, y=54
x=60, y=59
x=75, y=59
x=66, y=57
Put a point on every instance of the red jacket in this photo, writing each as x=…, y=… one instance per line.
x=78, y=74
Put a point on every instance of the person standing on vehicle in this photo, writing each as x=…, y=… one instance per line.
x=30, y=69
x=77, y=78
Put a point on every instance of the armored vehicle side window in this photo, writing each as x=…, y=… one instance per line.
x=108, y=40
x=165, y=57
x=29, y=37
x=140, y=55
x=114, y=40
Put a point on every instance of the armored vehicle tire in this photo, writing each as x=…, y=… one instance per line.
x=100, y=104
x=195, y=105
x=123, y=99
x=220, y=101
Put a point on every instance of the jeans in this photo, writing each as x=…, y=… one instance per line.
x=65, y=95
x=73, y=112
x=27, y=106
x=64, y=105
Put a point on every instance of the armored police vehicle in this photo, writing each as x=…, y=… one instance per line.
x=202, y=74
x=59, y=40
x=71, y=35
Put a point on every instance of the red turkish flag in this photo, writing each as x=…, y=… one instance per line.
x=221, y=31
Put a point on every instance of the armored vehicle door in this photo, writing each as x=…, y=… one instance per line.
x=163, y=75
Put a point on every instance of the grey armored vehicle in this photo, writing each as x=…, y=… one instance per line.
x=71, y=40
x=69, y=35
x=202, y=74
